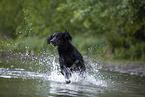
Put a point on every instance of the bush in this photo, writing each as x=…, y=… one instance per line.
x=135, y=52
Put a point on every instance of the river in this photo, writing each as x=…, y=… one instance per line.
x=22, y=76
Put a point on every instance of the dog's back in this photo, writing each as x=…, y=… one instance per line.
x=69, y=55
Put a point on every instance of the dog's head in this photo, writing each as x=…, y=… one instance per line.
x=59, y=38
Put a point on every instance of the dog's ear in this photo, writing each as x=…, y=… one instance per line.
x=67, y=36
x=49, y=38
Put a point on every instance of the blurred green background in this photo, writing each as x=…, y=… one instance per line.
x=105, y=28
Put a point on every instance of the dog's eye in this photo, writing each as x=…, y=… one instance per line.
x=56, y=36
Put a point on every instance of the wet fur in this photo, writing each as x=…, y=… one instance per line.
x=70, y=59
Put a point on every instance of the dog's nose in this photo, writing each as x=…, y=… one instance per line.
x=52, y=41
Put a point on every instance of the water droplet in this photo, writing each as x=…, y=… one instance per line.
x=12, y=66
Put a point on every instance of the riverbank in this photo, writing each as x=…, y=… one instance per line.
x=130, y=67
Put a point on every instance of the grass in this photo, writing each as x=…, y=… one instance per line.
x=86, y=45
x=90, y=45
x=95, y=47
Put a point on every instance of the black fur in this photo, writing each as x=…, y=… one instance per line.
x=69, y=57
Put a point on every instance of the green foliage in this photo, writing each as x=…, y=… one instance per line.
x=135, y=52
x=91, y=45
x=117, y=23
x=6, y=45
x=10, y=17
x=31, y=43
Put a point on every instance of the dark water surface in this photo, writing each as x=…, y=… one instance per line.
x=40, y=77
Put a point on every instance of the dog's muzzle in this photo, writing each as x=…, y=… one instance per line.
x=52, y=43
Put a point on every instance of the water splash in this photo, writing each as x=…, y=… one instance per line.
x=87, y=79
x=91, y=77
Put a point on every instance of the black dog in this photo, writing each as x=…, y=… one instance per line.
x=69, y=57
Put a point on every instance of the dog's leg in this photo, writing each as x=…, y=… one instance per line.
x=82, y=69
x=66, y=72
x=74, y=65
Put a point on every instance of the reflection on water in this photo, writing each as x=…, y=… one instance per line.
x=40, y=77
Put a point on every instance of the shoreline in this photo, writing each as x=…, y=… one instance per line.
x=129, y=67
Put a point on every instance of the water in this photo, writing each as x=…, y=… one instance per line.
x=21, y=76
